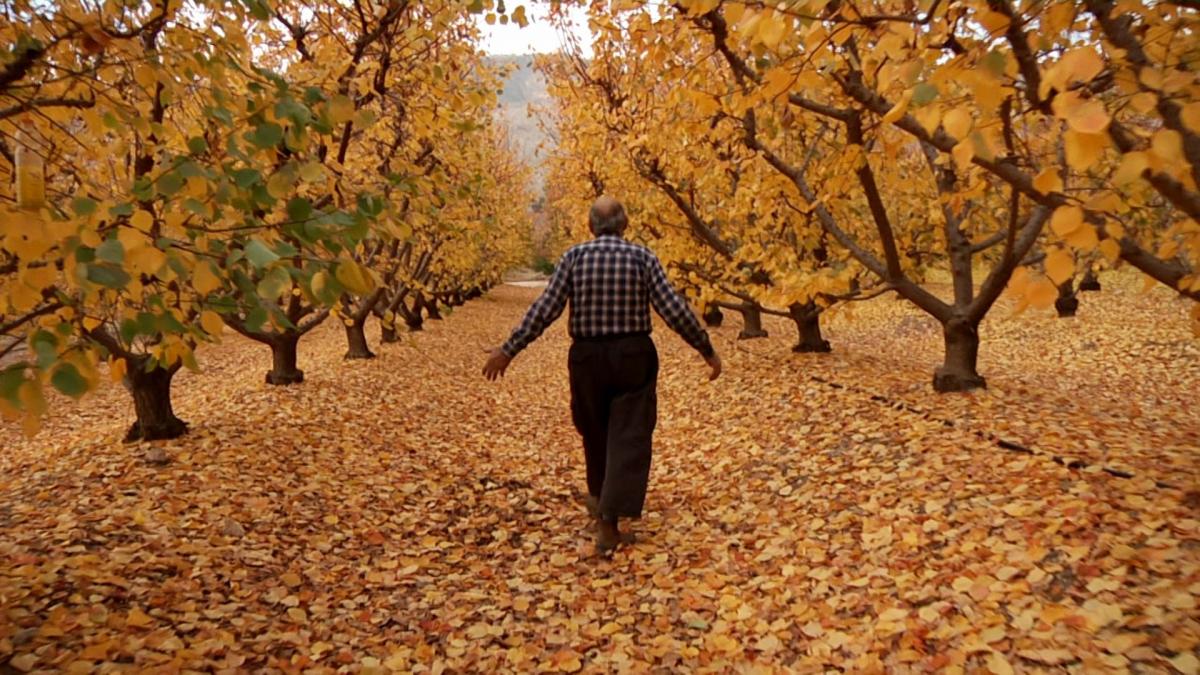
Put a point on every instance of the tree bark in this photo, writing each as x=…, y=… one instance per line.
x=751, y=323
x=283, y=359
x=151, y=393
x=356, y=339
x=431, y=308
x=1066, y=304
x=957, y=372
x=387, y=333
x=808, y=326
x=712, y=316
x=1089, y=282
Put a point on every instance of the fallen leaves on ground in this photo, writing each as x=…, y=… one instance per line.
x=403, y=515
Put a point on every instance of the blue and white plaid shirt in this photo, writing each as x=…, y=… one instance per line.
x=611, y=284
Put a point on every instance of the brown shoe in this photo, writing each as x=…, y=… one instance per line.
x=593, y=505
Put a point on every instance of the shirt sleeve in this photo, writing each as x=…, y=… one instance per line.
x=548, y=307
x=673, y=308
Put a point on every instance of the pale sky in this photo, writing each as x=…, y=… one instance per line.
x=537, y=37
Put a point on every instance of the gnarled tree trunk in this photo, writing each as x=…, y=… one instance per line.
x=1067, y=304
x=430, y=306
x=1090, y=282
x=151, y=393
x=808, y=325
x=958, y=370
x=283, y=359
x=751, y=323
x=712, y=316
x=387, y=333
x=356, y=341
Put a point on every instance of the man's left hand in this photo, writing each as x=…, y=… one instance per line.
x=496, y=364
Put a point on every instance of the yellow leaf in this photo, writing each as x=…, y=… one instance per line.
x=1041, y=293
x=1089, y=117
x=1143, y=102
x=1131, y=168
x=1167, y=145
x=312, y=172
x=518, y=15
x=957, y=122
x=298, y=615
x=144, y=75
x=1186, y=663
x=1083, y=239
x=963, y=153
x=1083, y=64
x=1048, y=181
x=353, y=277
x=142, y=220
x=899, y=109
x=1084, y=150
x=997, y=664
x=772, y=30
x=1060, y=266
x=1190, y=114
x=211, y=323
x=117, y=369
x=204, y=280
x=279, y=185
x=138, y=619
x=1111, y=251
x=1066, y=219
x=341, y=109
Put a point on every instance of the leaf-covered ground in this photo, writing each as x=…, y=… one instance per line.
x=806, y=512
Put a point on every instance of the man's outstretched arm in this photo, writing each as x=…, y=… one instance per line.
x=673, y=308
x=548, y=307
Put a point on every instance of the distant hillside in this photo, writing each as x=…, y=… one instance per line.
x=523, y=87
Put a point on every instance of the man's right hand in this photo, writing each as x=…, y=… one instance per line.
x=714, y=362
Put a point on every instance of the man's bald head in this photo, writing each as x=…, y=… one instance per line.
x=607, y=216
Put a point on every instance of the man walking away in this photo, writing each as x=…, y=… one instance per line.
x=610, y=284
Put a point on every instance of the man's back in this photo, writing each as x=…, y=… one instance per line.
x=611, y=284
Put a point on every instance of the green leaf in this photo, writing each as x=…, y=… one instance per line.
x=272, y=285
x=82, y=206
x=169, y=183
x=244, y=178
x=111, y=251
x=11, y=379
x=255, y=319
x=924, y=93
x=197, y=145
x=66, y=378
x=259, y=255
x=266, y=135
x=45, y=345
x=107, y=274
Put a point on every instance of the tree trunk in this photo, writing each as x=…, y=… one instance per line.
x=283, y=360
x=751, y=323
x=151, y=393
x=808, y=325
x=957, y=372
x=356, y=339
x=1066, y=304
x=712, y=316
x=1089, y=282
x=431, y=308
x=387, y=333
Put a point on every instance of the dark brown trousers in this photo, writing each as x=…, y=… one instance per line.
x=614, y=404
